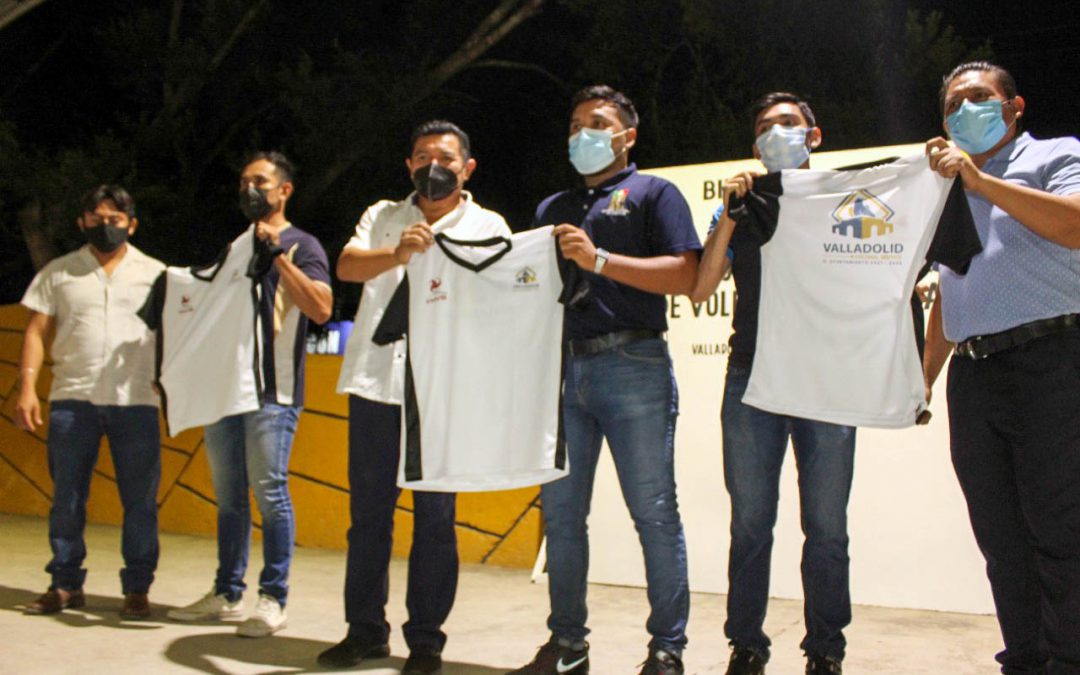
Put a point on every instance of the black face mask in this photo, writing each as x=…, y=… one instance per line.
x=254, y=205
x=106, y=238
x=434, y=181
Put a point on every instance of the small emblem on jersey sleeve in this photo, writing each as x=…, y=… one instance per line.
x=436, y=291
x=617, y=205
x=185, y=304
x=526, y=278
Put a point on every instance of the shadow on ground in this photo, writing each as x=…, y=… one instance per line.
x=100, y=611
x=282, y=654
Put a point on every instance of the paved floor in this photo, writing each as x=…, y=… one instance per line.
x=497, y=623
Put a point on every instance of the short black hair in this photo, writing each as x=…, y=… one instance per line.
x=627, y=113
x=1003, y=77
x=772, y=98
x=284, y=168
x=108, y=193
x=438, y=128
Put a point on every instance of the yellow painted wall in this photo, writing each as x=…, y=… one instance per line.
x=497, y=528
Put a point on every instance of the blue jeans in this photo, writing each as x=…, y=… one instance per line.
x=755, y=442
x=628, y=395
x=75, y=431
x=374, y=447
x=252, y=450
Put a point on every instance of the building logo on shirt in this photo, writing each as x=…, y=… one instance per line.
x=435, y=290
x=617, y=205
x=185, y=304
x=526, y=278
x=863, y=216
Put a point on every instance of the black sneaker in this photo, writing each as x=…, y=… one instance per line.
x=422, y=663
x=823, y=665
x=556, y=659
x=351, y=651
x=662, y=663
x=745, y=662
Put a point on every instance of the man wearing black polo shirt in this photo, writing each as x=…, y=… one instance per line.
x=634, y=237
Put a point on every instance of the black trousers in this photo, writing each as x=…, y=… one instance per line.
x=1014, y=422
x=374, y=436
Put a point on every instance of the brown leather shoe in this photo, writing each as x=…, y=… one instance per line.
x=136, y=606
x=56, y=599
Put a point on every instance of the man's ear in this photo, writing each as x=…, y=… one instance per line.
x=755, y=152
x=287, y=190
x=133, y=224
x=813, y=138
x=470, y=166
x=631, y=138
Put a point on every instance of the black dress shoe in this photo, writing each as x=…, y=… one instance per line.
x=351, y=651
x=823, y=665
x=745, y=662
x=422, y=663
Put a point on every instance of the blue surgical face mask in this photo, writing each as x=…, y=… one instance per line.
x=783, y=147
x=977, y=127
x=590, y=150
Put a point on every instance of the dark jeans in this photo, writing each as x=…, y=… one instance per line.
x=755, y=443
x=1014, y=421
x=626, y=394
x=374, y=447
x=75, y=431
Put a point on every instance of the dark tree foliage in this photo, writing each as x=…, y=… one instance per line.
x=167, y=97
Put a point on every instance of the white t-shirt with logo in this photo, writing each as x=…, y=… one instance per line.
x=209, y=338
x=841, y=252
x=484, y=367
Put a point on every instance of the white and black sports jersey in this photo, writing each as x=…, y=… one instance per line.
x=841, y=252
x=483, y=374
x=208, y=344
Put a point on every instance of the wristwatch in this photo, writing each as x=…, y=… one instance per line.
x=601, y=260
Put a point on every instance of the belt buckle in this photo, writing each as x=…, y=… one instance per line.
x=971, y=346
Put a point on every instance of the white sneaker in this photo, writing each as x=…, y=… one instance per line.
x=268, y=618
x=210, y=607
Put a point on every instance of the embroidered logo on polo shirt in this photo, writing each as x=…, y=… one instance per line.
x=185, y=304
x=617, y=205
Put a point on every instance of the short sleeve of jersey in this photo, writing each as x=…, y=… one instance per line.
x=311, y=258
x=756, y=215
x=672, y=227
x=151, y=310
x=394, y=324
x=956, y=241
x=1062, y=173
x=39, y=295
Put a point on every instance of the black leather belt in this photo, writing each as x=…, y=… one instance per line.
x=981, y=346
x=595, y=345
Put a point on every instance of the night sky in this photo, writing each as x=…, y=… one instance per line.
x=57, y=91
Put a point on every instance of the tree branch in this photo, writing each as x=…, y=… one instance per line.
x=520, y=65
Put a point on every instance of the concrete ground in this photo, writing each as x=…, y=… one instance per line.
x=496, y=625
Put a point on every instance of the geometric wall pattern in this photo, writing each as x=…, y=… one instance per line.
x=497, y=528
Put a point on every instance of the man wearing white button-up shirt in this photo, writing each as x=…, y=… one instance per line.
x=388, y=235
x=103, y=370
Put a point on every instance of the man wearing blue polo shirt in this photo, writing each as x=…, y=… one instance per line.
x=634, y=237
x=1014, y=379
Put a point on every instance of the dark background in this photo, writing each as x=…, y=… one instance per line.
x=167, y=97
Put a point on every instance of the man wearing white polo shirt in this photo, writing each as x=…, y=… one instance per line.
x=388, y=235
x=103, y=369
